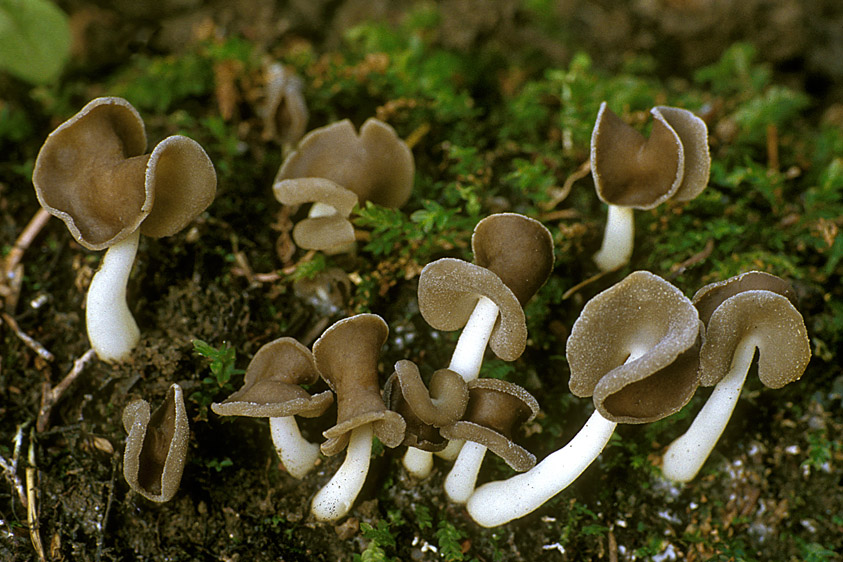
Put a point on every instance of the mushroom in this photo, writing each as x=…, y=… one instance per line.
x=495, y=409
x=156, y=447
x=285, y=111
x=513, y=257
x=634, y=349
x=634, y=172
x=424, y=410
x=271, y=390
x=347, y=358
x=375, y=165
x=92, y=173
x=751, y=311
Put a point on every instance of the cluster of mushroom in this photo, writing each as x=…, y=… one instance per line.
x=641, y=349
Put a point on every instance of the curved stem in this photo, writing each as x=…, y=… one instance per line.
x=418, y=463
x=335, y=499
x=468, y=354
x=297, y=454
x=618, y=238
x=496, y=503
x=112, y=329
x=687, y=454
x=459, y=484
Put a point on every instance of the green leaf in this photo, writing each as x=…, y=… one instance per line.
x=34, y=39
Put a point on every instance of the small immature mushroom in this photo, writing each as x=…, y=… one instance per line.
x=424, y=410
x=513, y=257
x=749, y=311
x=271, y=390
x=375, y=165
x=634, y=172
x=634, y=349
x=156, y=447
x=347, y=358
x=320, y=231
x=92, y=173
x=285, y=111
x=495, y=409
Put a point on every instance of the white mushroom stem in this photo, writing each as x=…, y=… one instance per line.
x=618, y=238
x=496, y=503
x=465, y=361
x=335, y=499
x=687, y=454
x=418, y=463
x=321, y=210
x=460, y=482
x=297, y=454
x=112, y=329
x=468, y=354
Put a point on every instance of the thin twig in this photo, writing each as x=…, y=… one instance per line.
x=30, y=231
x=27, y=339
x=10, y=468
x=31, y=490
x=49, y=396
x=582, y=284
x=583, y=170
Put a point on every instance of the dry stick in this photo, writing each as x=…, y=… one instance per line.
x=103, y=522
x=31, y=511
x=583, y=170
x=11, y=468
x=30, y=231
x=27, y=339
x=49, y=397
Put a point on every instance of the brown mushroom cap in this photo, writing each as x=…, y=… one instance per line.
x=425, y=409
x=156, y=447
x=643, y=315
x=376, y=165
x=495, y=409
x=89, y=173
x=182, y=177
x=285, y=111
x=630, y=170
x=766, y=320
x=271, y=384
x=323, y=232
x=517, y=249
x=449, y=289
x=708, y=298
x=693, y=134
x=347, y=358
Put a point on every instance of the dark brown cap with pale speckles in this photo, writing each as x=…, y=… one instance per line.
x=755, y=309
x=495, y=409
x=319, y=232
x=425, y=409
x=156, y=448
x=347, y=358
x=271, y=384
x=646, y=318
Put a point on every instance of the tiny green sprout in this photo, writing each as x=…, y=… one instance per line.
x=219, y=464
x=222, y=362
x=423, y=517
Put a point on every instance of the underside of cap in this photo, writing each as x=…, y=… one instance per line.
x=517, y=249
x=448, y=292
x=765, y=320
x=630, y=170
x=708, y=298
